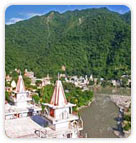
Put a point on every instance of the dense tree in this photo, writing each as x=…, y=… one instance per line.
x=91, y=41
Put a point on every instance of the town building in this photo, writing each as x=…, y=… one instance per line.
x=46, y=81
x=81, y=82
x=13, y=84
x=8, y=78
x=30, y=75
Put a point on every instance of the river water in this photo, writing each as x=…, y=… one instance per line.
x=99, y=117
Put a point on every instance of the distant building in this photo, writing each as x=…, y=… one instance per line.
x=91, y=77
x=95, y=81
x=8, y=89
x=8, y=78
x=21, y=106
x=80, y=82
x=31, y=76
x=17, y=70
x=62, y=75
x=115, y=82
x=129, y=82
x=62, y=122
x=13, y=84
x=63, y=68
x=46, y=81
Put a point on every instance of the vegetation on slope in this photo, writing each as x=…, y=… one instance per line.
x=91, y=41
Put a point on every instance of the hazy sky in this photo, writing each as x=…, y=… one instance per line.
x=17, y=13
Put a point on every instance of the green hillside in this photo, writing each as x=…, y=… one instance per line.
x=91, y=41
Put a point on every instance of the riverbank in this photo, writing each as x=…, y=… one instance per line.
x=124, y=118
x=82, y=107
x=98, y=118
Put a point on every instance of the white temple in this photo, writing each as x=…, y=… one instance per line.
x=62, y=122
x=21, y=106
x=22, y=97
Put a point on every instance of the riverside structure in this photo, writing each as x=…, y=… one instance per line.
x=62, y=122
x=25, y=120
x=20, y=105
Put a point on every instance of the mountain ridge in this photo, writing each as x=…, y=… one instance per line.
x=92, y=41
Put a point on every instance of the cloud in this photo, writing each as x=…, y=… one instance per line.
x=121, y=11
x=14, y=20
x=24, y=15
x=29, y=15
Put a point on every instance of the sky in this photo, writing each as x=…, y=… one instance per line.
x=18, y=13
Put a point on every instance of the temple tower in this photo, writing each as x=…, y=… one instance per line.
x=21, y=95
x=59, y=113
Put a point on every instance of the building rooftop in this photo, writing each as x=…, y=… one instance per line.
x=28, y=128
x=11, y=109
x=21, y=128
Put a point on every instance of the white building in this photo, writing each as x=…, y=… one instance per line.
x=13, y=84
x=21, y=106
x=62, y=122
x=46, y=81
x=31, y=76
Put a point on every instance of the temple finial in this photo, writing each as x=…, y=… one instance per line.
x=58, y=75
x=20, y=72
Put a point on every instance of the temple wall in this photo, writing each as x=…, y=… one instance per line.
x=8, y=117
x=64, y=125
x=24, y=115
x=21, y=104
x=62, y=113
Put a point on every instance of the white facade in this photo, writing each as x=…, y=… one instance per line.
x=62, y=122
x=21, y=107
x=21, y=95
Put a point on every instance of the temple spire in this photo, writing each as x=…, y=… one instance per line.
x=58, y=97
x=20, y=84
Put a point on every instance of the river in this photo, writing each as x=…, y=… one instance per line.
x=99, y=117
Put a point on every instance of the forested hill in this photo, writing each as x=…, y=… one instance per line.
x=91, y=41
x=127, y=17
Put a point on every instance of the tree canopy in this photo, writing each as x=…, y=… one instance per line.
x=90, y=41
